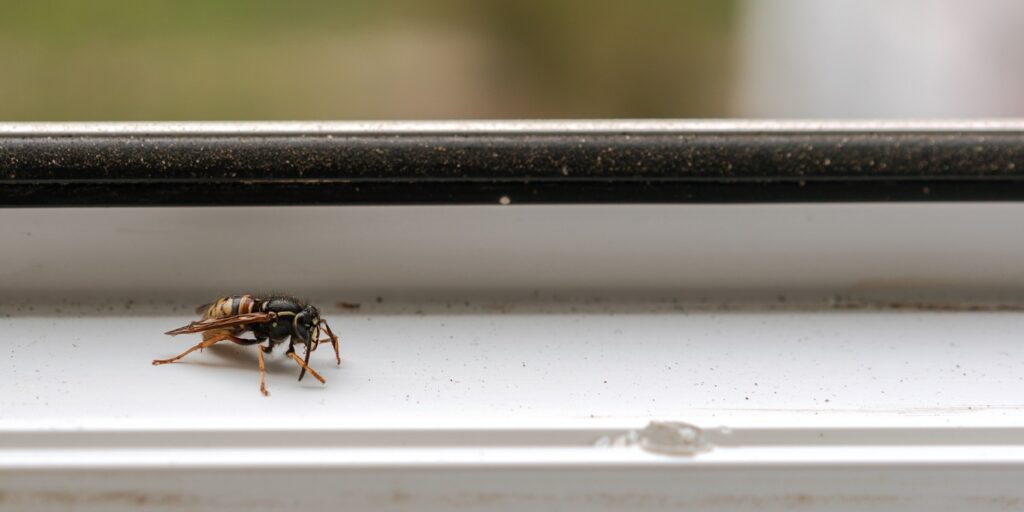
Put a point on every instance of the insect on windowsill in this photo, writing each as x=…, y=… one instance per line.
x=272, y=320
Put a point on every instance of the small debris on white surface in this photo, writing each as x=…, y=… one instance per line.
x=662, y=437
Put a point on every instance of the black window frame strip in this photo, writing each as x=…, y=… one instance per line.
x=554, y=162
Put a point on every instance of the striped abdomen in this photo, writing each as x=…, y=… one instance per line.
x=225, y=307
x=230, y=306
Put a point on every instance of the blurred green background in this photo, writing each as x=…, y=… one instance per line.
x=362, y=59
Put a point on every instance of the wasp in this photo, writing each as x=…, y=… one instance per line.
x=272, y=320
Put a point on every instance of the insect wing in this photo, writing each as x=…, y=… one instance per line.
x=219, y=323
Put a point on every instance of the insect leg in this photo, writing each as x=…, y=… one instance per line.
x=291, y=350
x=304, y=366
x=202, y=345
x=263, y=372
x=309, y=350
x=334, y=340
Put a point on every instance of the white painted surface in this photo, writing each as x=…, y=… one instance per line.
x=506, y=399
x=532, y=368
x=683, y=251
x=881, y=487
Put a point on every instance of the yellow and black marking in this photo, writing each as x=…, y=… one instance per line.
x=230, y=306
x=226, y=307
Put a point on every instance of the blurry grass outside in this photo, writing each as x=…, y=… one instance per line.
x=400, y=59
